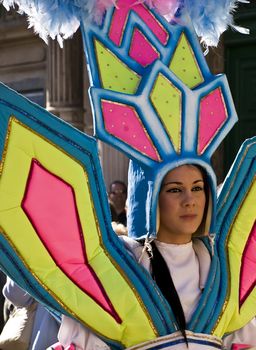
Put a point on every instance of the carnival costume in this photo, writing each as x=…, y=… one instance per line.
x=154, y=98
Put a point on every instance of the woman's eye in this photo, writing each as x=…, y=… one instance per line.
x=197, y=188
x=173, y=190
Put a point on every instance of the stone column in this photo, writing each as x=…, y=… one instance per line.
x=88, y=123
x=65, y=80
x=115, y=164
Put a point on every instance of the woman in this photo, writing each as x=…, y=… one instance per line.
x=183, y=203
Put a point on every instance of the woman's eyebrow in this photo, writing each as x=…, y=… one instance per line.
x=172, y=183
x=201, y=180
x=181, y=183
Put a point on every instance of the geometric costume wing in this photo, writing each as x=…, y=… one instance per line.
x=56, y=238
x=236, y=222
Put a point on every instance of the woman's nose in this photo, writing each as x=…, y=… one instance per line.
x=189, y=199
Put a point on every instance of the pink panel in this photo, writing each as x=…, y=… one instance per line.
x=123, y=122
x=58, y=346
x=248, y=268
x=120, y=18
x=50, y=204
x=213, y=114
x=141, y=50
x=240, y=346
x=71, y=347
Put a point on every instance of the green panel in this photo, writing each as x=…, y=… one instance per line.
x=166, y=99
x=114, y=74
x=184, y=64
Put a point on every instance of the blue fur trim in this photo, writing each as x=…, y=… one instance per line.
x=56, y=18
x=212, y=17
x=61, y=18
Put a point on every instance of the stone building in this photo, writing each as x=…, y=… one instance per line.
x=57, y=79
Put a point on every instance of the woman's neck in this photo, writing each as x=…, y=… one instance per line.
x=172, y=238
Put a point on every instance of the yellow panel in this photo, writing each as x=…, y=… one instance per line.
x=232, y=318
x=166, y=99
x=184, y=64
x=114, y=74
x=23, y=146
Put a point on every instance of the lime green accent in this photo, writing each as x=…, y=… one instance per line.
x=166, y=99
x=114, y=74
x=184, y=64
x=232, y=317
x=22, y=146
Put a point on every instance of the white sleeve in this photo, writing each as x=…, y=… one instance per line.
x=245, y=335
x=16, y=295
x=72, y=332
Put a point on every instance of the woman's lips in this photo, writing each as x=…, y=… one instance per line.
x=188, y=216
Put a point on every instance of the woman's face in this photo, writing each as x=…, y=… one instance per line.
x=181, y=204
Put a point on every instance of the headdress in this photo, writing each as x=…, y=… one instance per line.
x=155, y=99
x=137, y=72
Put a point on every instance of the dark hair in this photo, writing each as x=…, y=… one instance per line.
x=207, y=194
x=117, y=182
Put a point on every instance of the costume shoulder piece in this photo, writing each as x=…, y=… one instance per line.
x=153, y=98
